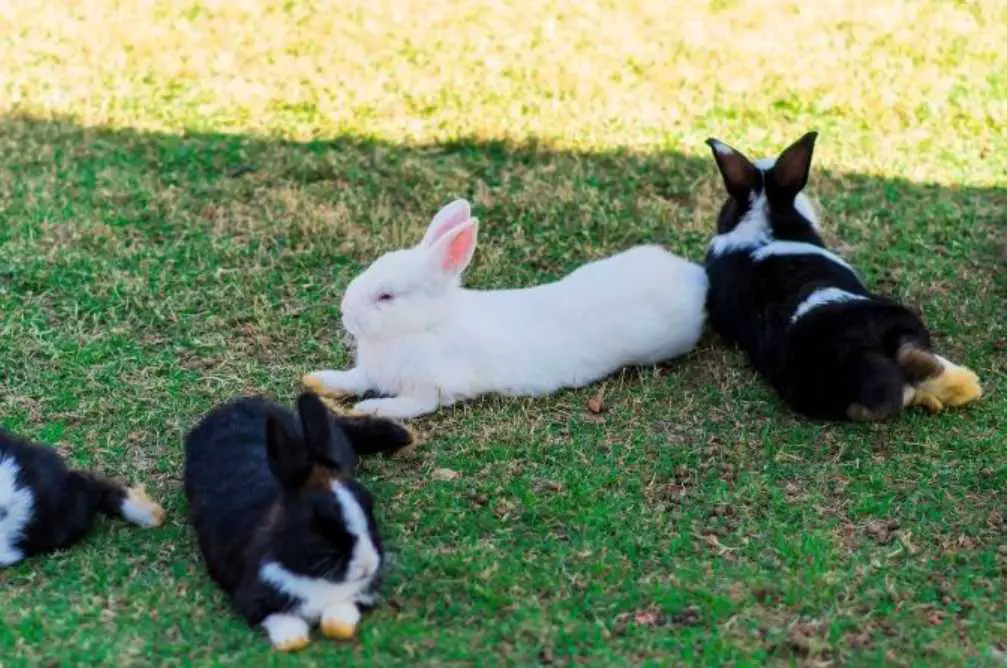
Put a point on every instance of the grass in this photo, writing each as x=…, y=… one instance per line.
x=185, y=188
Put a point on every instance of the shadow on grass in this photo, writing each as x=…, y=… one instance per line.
x=171, y=237
x=145, y=276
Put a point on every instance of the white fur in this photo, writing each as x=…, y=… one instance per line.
x=347, y=614
x=365, y=560
x=722, y=148
x=752, y=231
x=822, y=297
x=140, y=511
x=284, y=629
x=438, y=343
x=400, y=408
x=804, y=207
x=452, y=215
x=948, y=364
x=316, y=596
x=780, y=248
x=16, y=505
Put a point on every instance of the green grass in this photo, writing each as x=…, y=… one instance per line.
x=185, y=188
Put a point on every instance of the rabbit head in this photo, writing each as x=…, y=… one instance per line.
x=323, y=525
x=407, y=291
x=765, y=197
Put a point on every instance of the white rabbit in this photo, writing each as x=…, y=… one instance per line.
x=423, y=341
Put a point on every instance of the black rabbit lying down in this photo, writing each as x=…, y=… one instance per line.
x=283, y=526
x=830, y=347
x=46, y=506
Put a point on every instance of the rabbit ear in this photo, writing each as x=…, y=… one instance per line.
x=741, y=177
x=287, y=454
x=326, y=443
x=790, y=173
x=453, y=251
x=451, y=216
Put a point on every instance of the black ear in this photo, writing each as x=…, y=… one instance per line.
x=372, y=435
x=740, y=176
x=327, y=444
x=287, y=454
x=790, y=173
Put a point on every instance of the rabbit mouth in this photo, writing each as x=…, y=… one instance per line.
x=352, y=326
x=348, y=338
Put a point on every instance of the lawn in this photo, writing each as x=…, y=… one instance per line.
x=186, y=187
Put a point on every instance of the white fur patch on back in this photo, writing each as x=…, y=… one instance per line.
x=751, y=231
x=783, y=248
x=822, y=297
x=16, y=505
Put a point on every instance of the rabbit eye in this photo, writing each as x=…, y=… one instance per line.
x=384, y=297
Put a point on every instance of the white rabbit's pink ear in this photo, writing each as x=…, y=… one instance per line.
x=451, y=216
x=453, y=251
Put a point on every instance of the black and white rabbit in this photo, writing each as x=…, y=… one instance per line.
x=283, y=526
x=46, y=506
x=830, y=347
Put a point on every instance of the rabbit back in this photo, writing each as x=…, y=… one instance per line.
x=228, y=482
x=638, y=307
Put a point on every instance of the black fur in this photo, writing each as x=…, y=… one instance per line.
x=248, y=471
x=65, y=501
x=835, y=356
x=372, y=435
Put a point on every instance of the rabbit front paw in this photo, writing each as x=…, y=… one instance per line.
x=396, y=408
x=336, y=383
x=339, y=622
x=287, y=633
